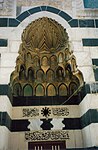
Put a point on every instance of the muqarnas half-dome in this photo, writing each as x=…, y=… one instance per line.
x=45, y=66
x=45, y=34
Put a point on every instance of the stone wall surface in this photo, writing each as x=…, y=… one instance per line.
x=82, y=29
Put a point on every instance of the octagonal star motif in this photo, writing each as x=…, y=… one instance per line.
x=46, y=112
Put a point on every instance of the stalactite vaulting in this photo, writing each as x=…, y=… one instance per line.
x=46, y=65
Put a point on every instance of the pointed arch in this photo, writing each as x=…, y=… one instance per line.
x=44, y=61
x=22, y=75
x=51, y=90
x=73, y=87
x=27, y=90
x=39, y=90
x=50, y=75
x=60, y=73
x=29, y=56
x=61, y=57
x=17, y=89
x=40, y=75
x=53, y=60
x=14, y=22
x=62, y=90
x=30, y=74
x=36, y=61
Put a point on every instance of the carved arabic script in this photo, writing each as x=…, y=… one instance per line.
x=46, y=135
x=30, y=112
x=60, y=111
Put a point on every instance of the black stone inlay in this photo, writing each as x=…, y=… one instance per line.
x=91, y=116
x=3, y=89
x=71, y=123
x=86, y=23
x=73, y=23
x=3, y=42
x=65, y=16
x=96, y=22
x=5, y=120
x=3, y=22
x=22, y=16
x=46, y=125
x=92, y=4
x=19, y=125
x=90, y=42
x=43, y=8
x=53, y=10
x=42, y=100
x=13, y=22
x=95, y=62
x=96, y=75
x=34, y=10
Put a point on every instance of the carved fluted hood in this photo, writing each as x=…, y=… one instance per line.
x=45, y=34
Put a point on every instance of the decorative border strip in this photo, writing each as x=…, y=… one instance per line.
x=91, y=116
x=46, y=135
x=82, y=23
x=45, y=112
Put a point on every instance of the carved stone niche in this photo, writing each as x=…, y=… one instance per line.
x=46, y=65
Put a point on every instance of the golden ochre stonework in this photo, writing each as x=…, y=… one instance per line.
x=45, y=66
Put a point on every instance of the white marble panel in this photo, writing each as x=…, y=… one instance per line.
x=4, y=50
x=4, y=138
x=15, y=33
x=77, y=34
x=74, y=111
x=8, y=59
x=34, y=124
x=5, y=105
x=90, y=101
x=88, y=73
x=14, y=46
x=83, y=59
x=78, y=139
x=94, y=134
x=87, y=140
x=94, y=52
x=71, y=111
x=71, y=142
x=86, y=49
x=77, y=45
x=5, y=75
x=18, y=142
x=57, y=124
x=5, y=32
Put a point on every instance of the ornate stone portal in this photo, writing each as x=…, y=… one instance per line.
x=45, y=66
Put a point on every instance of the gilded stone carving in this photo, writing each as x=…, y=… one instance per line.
x=46, y=65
